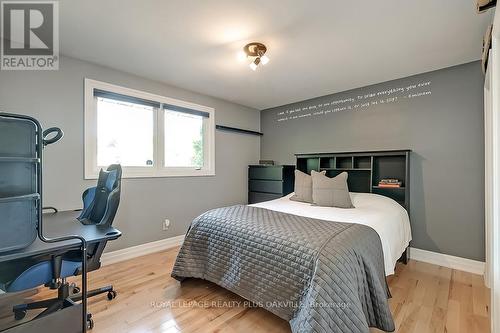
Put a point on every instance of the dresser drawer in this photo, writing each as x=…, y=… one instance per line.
x=268, y=186
x=256, y=197
x=265, y=173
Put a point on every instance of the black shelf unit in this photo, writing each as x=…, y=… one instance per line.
x=365, y=169
x=20, y=193
x=21, y=144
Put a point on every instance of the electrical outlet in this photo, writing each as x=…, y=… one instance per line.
x=166, y=224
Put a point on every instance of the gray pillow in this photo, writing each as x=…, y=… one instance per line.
x=303, y=187
x=330, y=192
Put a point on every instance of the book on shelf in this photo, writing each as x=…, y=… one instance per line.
x=390, y=185
x=389, y=181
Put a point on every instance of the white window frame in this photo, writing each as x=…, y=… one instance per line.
x=158, y=169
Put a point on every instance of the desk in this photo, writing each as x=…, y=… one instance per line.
x=58, y=225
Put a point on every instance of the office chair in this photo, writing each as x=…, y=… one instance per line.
x=100, y=207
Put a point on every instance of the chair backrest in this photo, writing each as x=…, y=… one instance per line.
x=100, y=203
x=100, y=207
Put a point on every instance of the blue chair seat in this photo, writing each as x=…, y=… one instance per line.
x=40, y=274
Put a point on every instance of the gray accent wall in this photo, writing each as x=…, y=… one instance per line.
x=441, y=121
x=56, y=99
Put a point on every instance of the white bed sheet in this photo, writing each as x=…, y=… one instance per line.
x=388, y=218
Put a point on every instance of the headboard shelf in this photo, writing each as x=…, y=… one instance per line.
x=366, y=169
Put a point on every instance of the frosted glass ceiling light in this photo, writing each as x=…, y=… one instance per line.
x=241, y=56
x=256, y=51
x=255, y=63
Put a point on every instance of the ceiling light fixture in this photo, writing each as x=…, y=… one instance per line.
x=255, y=51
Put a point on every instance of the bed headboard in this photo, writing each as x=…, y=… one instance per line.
x=365, y=169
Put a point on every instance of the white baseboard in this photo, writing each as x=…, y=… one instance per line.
x=445, y=260
x=109, y=258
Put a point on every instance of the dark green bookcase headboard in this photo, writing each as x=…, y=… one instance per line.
x=365, y=169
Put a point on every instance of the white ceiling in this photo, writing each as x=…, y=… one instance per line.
x=316, y=47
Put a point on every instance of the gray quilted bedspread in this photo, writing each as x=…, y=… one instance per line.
x=321, y=276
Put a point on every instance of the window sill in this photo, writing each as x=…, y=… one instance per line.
x=128, y=175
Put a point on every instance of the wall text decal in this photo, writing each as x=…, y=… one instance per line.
x=357, y=102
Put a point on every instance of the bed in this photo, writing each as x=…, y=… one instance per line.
x=389, y=219
x=323, y=269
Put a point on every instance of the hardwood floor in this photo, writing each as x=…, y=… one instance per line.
x=426, y=298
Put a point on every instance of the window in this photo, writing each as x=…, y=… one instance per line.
x=149, y=135
x=124, y=133
x=183, y=140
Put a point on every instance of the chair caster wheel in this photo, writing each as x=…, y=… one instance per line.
x=111, y=295
x=74, y=288
x=19, y=314
x=90, y=322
